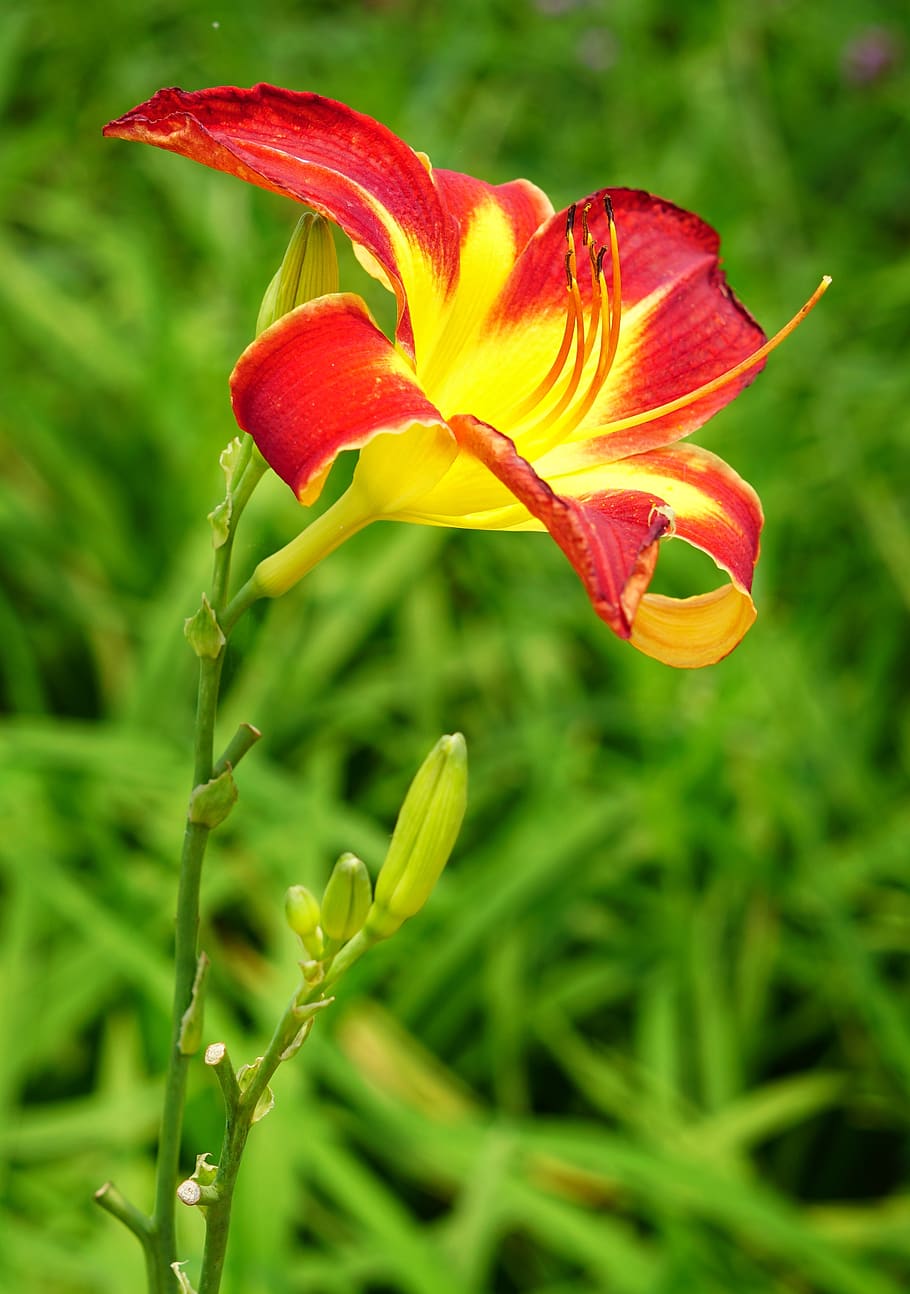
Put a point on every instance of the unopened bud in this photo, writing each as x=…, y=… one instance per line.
x=426, y=830
x=301, y=908
x=211, y=802
x=347, y=898
x=309, y=270
x=203, y=632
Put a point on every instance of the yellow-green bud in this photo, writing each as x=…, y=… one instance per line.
x=301, y=908
x=309, y=270
x=426, y=830
x=347, y=899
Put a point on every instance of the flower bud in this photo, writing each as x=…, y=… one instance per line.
x=309, y=270
x=301, y=909
x=426, y=830
x=347, y=898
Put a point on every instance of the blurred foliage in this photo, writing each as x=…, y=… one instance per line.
x=652, y=1034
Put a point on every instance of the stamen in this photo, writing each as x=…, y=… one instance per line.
x=594, y=256
x=610, y=320
x=574, y=325
x=605, y=316
x=547, y=421
x=717, y=383
x=616, y=296
x=569, y=393
x=586, y=233
x=609, y=336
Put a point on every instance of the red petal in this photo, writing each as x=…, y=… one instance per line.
x=728, y=524
x=323, y=379
x=344, y=164
x=714, y=508
x=610, y=539
x=692, y=330
x=524, y=205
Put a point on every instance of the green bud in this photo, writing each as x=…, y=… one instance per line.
x=212, y=801
x=301, y=908
x=203, y=632
x=347, y=898
x=426, y=830
x=309, y=270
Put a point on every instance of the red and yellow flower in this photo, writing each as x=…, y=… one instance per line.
x=544, y=370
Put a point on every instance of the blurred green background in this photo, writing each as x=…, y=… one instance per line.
x=652, y=1035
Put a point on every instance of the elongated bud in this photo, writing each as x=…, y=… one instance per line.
x=301, y=908
x=347, y=898
x=426, y=830
x=309, y=270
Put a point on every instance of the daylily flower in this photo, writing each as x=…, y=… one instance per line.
x=544, y=366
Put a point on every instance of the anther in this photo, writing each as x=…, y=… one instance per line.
x=585, y=231
x=596, y=310
x=610, y=310
x=570, y=220
x=616, y=295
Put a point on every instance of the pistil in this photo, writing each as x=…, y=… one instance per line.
x=574, y=323
x=555, y=425
x=722, y=380
x=605, y=318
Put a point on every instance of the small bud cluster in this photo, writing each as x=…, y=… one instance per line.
x=350, y=916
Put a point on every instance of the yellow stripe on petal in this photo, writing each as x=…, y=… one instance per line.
x=397, y=468
x=691, y=632
x=446, y=341
x=470, y=497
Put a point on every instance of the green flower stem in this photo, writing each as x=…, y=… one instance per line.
x=194, y=844
x=243, y=740
x=218, y=1213
x=272, y=577
x=238, y=1121
x=163, y=1226
x=350, y=953
x=240, y=1114
x=216, y=1055
x=141, y=1226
